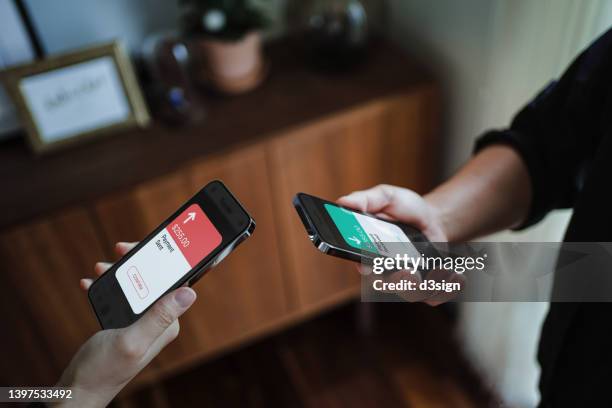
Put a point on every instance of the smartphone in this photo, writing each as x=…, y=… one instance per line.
x=178, y=252
x=357, y=236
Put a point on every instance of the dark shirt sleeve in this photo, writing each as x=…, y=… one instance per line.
x=556, y=133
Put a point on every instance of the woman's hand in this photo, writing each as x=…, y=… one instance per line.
x=111, y=358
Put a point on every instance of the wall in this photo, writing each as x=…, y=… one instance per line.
x=491, y=57
x=70, y=24
x=65, y=25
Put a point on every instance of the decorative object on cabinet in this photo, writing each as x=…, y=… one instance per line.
x=69, y=98
x=227, y=34
x=337, y=32
x=171, y=91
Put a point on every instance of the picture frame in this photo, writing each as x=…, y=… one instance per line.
x=74, y=97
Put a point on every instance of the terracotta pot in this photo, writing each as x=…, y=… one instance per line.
x=233, y=66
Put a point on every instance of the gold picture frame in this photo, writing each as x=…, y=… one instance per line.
x=44, y=92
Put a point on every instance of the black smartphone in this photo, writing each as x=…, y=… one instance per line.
x=195, y=238
x=346, y=233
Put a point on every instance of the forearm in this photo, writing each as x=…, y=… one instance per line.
x=490, y=193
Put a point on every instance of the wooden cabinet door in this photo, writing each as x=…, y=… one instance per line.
x=45, y=315
x=377, y=143
x=243, y=294
x=132, y=215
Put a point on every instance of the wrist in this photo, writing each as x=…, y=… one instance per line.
x=440, y=216
x=84, y=396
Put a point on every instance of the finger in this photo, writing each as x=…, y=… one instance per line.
x=122, y=248
x=409, y=295
x=384, y=216
x=363, y=269
x=161, y=316
x=161, y=342
x=443, y=296
x=85, y=283
x=443, y=277
x=166, y=338
x=101, y=267
x=373, y=200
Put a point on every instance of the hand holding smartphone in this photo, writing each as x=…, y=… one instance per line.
x=178, y=252
x=354, y=235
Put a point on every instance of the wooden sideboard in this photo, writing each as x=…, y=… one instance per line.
x=301, y=131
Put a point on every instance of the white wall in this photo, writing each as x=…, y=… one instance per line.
x=491, y=57
x=452, y=38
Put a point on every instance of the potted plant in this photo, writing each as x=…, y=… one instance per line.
x=227, y=36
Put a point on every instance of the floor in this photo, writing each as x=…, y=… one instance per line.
x=386, y=354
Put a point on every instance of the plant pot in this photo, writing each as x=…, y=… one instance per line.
x=232, y=66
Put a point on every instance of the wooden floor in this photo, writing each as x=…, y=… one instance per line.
x=388, y=355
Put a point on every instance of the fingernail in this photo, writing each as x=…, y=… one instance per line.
x=184, y=297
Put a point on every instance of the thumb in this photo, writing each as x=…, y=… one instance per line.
x=157, y=319
x=373, y=200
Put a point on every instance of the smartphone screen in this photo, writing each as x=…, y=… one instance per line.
x=167, y=257
x=179, y=251
x=366, y=233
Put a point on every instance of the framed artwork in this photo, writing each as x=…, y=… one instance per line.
x=75, y=97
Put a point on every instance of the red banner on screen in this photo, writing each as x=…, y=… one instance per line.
x=194, y=234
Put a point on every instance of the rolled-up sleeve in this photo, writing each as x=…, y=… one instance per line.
x=557, y=132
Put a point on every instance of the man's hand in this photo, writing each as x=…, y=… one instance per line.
x=401, y=204
x=111, y=358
